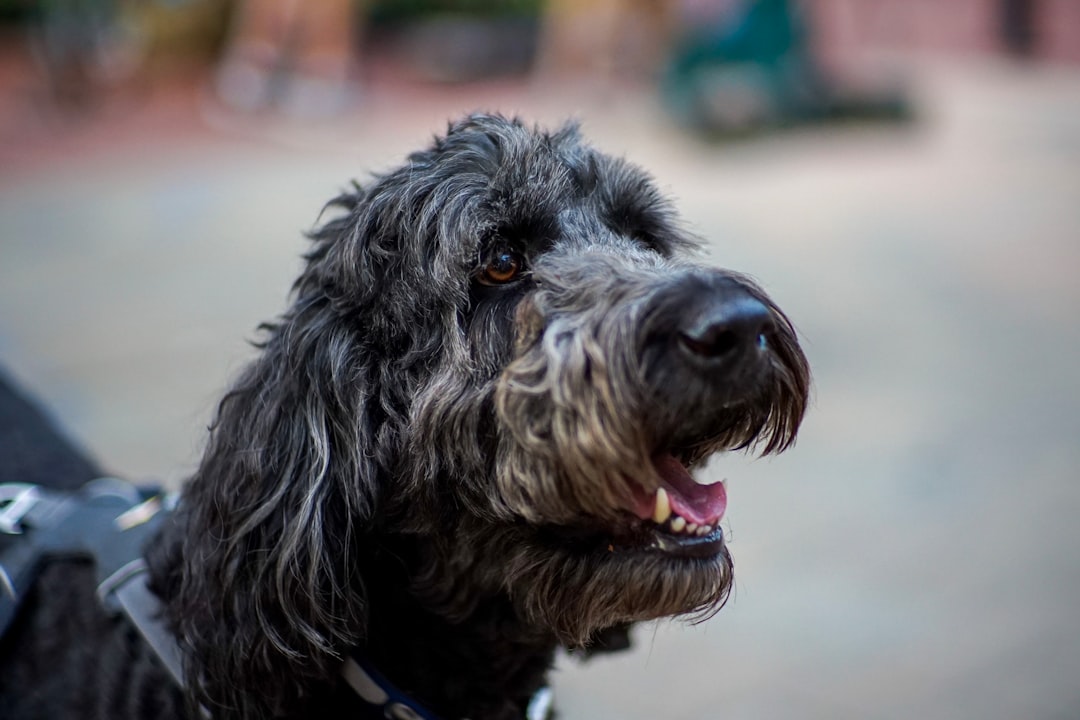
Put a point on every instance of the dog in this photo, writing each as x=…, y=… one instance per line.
x=468, y=442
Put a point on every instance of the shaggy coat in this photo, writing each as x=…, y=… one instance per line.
x=466, y=443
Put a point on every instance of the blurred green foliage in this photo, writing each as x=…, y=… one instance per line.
x=13, y=11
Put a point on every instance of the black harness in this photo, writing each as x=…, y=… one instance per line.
x=109, y=521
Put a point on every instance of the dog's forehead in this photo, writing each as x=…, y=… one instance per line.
x=516, y=159
x=534, y=178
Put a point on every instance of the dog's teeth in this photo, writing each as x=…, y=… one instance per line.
x=678, y=524
x=662, y=510
x=691, y=528
x=704, y=530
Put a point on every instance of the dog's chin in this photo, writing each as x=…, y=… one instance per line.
x=596, y=575
x=660, y=553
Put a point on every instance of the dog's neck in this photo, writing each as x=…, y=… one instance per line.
x=487, y=664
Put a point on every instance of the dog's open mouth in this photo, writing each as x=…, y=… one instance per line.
x=681, y=517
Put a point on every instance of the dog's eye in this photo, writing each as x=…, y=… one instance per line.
x=504, y=266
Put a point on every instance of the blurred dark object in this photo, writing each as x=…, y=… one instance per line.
x=89, y=52
x=13, y=12
x=460, y=40
x=393, y=12
x=1018, y=26
x=753, y=69
x=463, y=48
x=83, y=47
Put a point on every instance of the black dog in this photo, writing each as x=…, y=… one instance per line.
x=467, y=442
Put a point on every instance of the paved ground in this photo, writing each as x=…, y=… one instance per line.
x=916, y=556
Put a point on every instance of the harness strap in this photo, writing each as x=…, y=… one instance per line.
x=108, y=521
x=143, y=609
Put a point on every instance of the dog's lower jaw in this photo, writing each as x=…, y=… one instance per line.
x=464, y=645
x=446, y=629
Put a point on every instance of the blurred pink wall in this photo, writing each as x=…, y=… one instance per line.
x=952, y=26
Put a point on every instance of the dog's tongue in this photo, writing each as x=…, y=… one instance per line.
x=700, y=504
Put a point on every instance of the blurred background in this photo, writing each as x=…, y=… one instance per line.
x=902, y=175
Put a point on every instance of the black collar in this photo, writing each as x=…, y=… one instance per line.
x=386, y=701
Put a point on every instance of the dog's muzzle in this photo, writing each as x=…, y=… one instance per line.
x=706, y=350
x=726, y=334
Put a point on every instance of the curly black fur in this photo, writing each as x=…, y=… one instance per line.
x=438, y=464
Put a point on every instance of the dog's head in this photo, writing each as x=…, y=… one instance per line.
x=502, y=361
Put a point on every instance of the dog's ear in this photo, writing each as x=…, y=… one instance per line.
x=275, y=517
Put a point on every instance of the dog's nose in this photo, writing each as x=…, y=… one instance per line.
x=730, y=326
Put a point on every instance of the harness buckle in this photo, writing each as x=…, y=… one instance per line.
x=16, y=501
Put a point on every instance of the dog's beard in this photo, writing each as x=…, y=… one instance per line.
x=551, y=528
x=587, y=550
x=552, y=520
x=568, y=583
x=578, y=592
